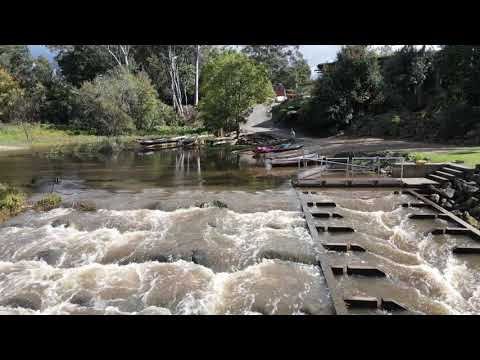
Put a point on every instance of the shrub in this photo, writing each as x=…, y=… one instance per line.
x=12, y=200
x=49, y=202
x=120, y=103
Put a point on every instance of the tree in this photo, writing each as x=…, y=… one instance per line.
x=351, y=88
x=407, y=73
x=285, y=63
x=79, y=63
x=232, y=85
x=17, y=60
x=459, y=67
x=10, y=94
x=119, y=103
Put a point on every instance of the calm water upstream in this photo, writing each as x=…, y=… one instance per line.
x=149, y=250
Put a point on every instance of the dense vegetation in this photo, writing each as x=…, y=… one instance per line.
x=114, y=90
x=414, y=92
x=233, y=84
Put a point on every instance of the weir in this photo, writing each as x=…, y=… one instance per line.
x=336, y=270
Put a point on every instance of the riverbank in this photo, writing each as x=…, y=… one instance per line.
x=14, y=137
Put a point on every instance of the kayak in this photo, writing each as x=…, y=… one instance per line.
x=278, y=148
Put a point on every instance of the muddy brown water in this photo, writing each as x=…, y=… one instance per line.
x=148, y=249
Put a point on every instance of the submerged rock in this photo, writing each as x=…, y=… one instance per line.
x=84, y=206
x=213, y=203
x=51, y=257
x=61, y=222
x=199, y=257
x=27, y=301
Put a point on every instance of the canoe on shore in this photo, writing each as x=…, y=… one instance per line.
x=276, y=149
x=294, y=160
x=159, y=141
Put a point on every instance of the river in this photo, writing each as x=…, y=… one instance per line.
x=150, y=249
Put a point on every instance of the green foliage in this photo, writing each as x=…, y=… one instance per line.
x=408, y=73
x=10, y=94
x=80, y=63
x=120, y=103
x=48, y=202
x=285, y=64
x=459, y=67
x=232, y=85
x=12, y=201
x=352, y=88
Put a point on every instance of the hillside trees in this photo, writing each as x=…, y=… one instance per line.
x=232, y=84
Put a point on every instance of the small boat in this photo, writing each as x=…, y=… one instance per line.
x=278, y=148
x=293, y=160
x=160, y=141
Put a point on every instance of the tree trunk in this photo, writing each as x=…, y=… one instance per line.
x=197, y=61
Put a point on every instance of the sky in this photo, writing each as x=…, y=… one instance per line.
x=314, y=54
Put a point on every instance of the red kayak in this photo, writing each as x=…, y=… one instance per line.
x=275, y=149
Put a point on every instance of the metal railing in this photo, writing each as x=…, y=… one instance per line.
x=347, y=165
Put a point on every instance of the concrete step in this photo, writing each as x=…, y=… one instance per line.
x=362, y=270
x=452, y=171
x=373, y=303
x=343, y=247
x=444, y=174
x=460, y=167
x=437, y=178
x=450, y=230
x=466, y=250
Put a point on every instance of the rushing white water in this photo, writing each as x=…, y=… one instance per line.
x=249, y=258
x=422, y=271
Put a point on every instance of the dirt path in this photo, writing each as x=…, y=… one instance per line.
x=260, y=121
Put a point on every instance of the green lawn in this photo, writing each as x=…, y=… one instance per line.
x=470, y=156
x=14, y=135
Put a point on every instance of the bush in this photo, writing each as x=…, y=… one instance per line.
x=49, y=202
x=12, y=200
x=120, y=103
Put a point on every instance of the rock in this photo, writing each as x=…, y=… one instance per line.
x=199, y=257
x=448, y=205
x=213, y=203
x=457, y=213
x=82, y=298
x=471, y=202
x=435, y=198
x=449, y=192
x=27, y=301
x=476, y=178
x=60, y=222
x=475, y=211
x=84, y=206
x=51, y=257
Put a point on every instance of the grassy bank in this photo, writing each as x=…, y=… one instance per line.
x=470, y=156
x=12, y=136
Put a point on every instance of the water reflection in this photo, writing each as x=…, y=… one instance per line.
x=217, y=167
